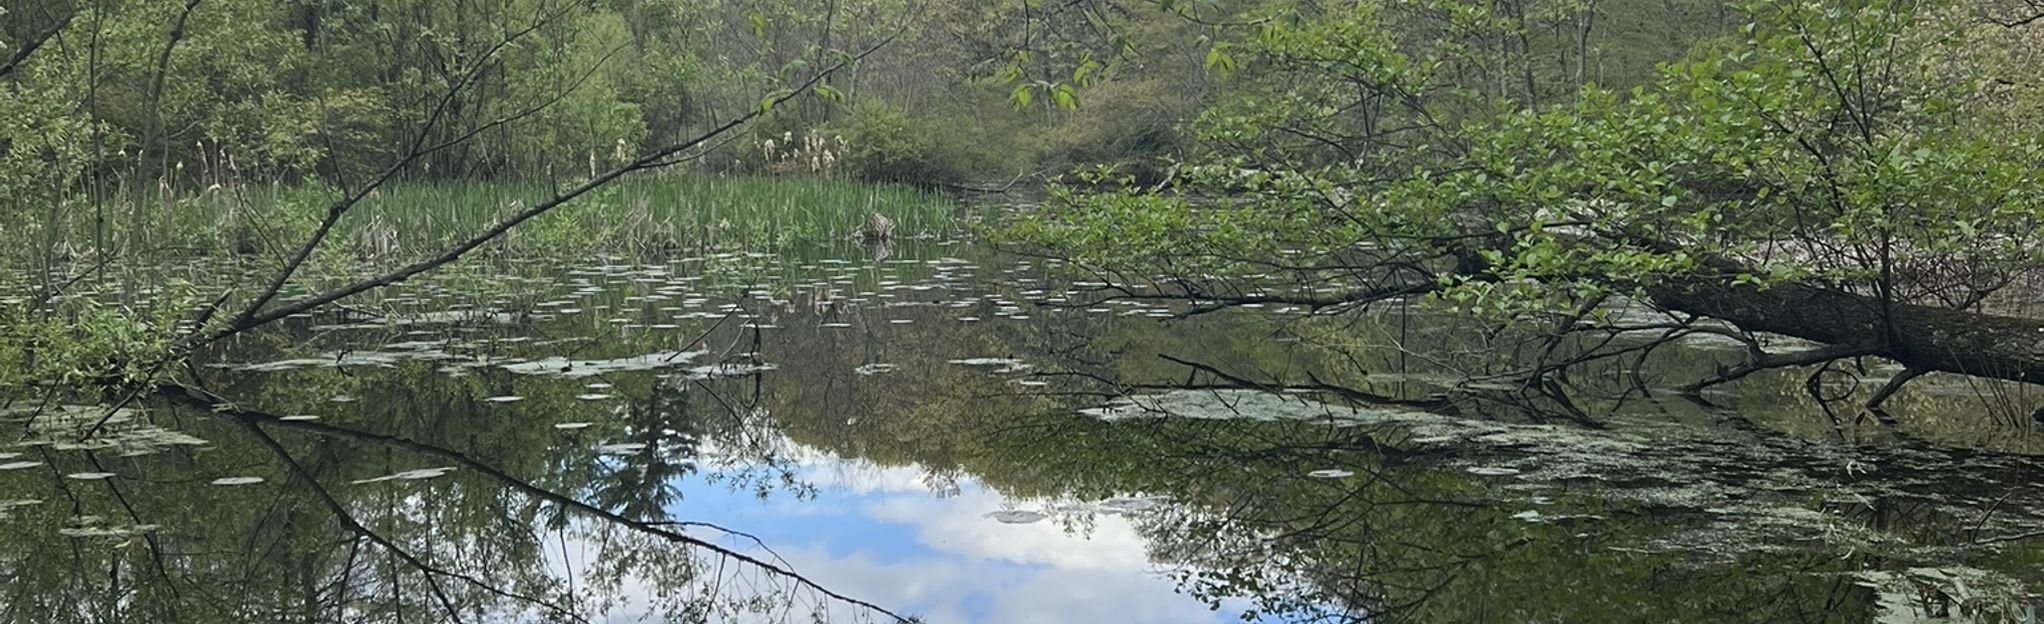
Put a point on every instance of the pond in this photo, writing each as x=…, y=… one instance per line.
x=937, y=430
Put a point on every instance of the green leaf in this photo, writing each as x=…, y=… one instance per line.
x=1065, y=96
x=1082, y=74
x=1022, y=96
x=1219, y=61
x=792, y=67
x=766, y=104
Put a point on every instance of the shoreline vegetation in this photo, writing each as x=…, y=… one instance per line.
x=651, y=216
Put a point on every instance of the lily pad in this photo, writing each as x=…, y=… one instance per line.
x=410, y=475
x=576, y=369
x=729, y=370
x=1492, y=471
x=1131, y=504
x=1017, y=516
x=1000, y=365
x=126, y=531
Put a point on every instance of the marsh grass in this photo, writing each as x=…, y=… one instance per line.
x=648, y=216
x=700, y=212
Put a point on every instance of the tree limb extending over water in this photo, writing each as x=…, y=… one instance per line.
x=254, y=315
x=418, y=148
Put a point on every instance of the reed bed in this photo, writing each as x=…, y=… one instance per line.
x=646, y=216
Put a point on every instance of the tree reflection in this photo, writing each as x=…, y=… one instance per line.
x=418, y=498
x=660, y=447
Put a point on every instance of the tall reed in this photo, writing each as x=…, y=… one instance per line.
x=667, y=213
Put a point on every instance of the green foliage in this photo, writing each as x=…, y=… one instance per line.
x=1834, y=144
x=882, y=143
x=297, y=133
x=1121, y=121
x=87, y=343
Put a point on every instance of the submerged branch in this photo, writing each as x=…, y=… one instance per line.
x=1770, y=361
x=1894, y=385
x=1238, y=381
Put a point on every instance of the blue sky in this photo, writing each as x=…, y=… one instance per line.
x=880, y=534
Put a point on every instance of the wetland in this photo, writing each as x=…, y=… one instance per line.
x=1008, y=311
x=946, y=431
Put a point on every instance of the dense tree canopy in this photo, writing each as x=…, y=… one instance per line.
x=1849, y=174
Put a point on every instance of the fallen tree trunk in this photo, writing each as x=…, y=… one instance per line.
x=1919, y=337
x=1922, y=338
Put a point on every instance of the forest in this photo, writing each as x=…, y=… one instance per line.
x=1014, y=310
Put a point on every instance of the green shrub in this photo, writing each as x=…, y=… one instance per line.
x=883, y=144
x=1119, y=122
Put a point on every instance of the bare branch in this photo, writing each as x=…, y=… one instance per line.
x=665, y=156
x=1239, y=381
x=1769, y=361
x=1894, y=385
x=28, y=49
x=417, y=150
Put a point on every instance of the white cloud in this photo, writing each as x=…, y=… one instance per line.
x=975, y=568
x=945, y=590
x=864, y=478
x=959, y=525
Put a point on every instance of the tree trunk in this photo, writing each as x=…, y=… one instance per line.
x=1923, y=337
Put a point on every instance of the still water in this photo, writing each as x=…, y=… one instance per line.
x=938, y=431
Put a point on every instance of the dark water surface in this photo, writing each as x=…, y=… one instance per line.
x=952, y=434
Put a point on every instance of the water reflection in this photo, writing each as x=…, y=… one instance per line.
x=754, y=438
x=939, y=550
